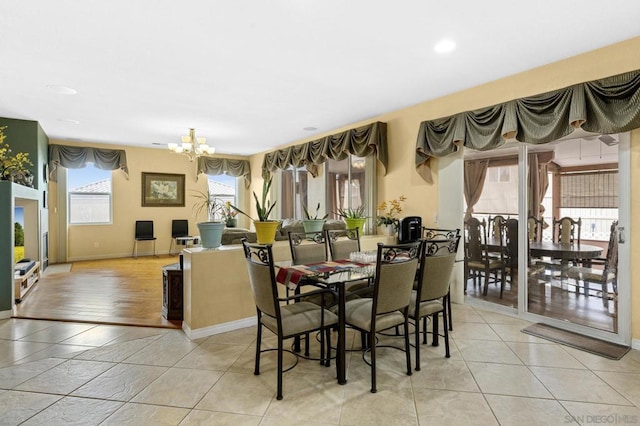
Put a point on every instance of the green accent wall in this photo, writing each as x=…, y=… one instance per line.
x=22, y=136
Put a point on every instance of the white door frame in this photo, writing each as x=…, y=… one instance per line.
x=451, y=213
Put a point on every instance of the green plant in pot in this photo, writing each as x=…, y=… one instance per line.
x=315, y=222
x=211, y=230
x=265, y=228
x=354, y=217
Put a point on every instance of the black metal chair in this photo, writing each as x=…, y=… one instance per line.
x=307, y=247
x=179, y=229
x=285, y=321
x=144, y=232
x=437, y=258
x=342, y=242
x=396, y=268
x=429, y=234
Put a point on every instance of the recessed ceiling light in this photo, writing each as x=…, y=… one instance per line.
x=445, y=46
x=68, y=121
x=62, y=90
x=310, y=129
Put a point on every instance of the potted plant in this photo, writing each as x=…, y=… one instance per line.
x=388, y=215
x=313, y=223
x=14, y=167
x=211, y=230
x=265, y=228
x=354, y=217
x=229, y=215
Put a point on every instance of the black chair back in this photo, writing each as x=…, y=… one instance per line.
x=179, y=228
x=144, y=230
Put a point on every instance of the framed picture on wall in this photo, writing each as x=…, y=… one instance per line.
x=162, y=190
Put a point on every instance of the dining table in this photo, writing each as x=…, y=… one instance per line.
x=554, y=250
x=565, y=252
x=334, y=275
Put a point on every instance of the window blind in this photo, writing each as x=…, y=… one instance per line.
x=589, y=190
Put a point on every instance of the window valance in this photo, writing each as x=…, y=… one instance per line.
x=608, y=105
x=219, y=166
x=361, y=141
x=77, y=157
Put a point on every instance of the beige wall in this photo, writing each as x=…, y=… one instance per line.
x=116, y=239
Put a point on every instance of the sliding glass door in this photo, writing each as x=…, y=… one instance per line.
x=562, y=243
x=576, y=272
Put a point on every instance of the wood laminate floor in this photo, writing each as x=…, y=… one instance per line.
x=555, y=299
x=112, y=291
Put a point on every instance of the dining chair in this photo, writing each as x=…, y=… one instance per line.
x=535, y=228
x=494, y=226
x=143, y=232
x=343, y=242
x=307, y=247
x=566, y=230
x=179, y=229
x=437, y=258
x=396, y=267
x=605, y=274
x=310, y=247
x=510, y=230
x=477, y=262
x=438, y=234
x=285, y=321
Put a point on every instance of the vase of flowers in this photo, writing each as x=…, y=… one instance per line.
x=229, y=215
x=14, y=167
x=388, y=215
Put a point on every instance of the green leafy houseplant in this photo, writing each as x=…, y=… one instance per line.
x=354, y=217
x=205, y=201
x=14, y=167
x=263, y=206
x=308, y=216
x=353, y=213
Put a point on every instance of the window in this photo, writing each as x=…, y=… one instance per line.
x=593, y=197
x=499, y=193
x=89, y=195
x=223, y=187
x=345, y=183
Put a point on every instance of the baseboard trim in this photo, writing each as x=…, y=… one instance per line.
x=635, y=344
x=6, y=314
x=199, y=333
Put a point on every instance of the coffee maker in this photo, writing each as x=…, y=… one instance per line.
x=409, y=229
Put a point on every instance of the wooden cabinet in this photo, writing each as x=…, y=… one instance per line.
x=172, y=292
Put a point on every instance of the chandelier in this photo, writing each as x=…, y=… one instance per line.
x=192, y=147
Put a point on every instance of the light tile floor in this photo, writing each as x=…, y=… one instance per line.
x=64, y=373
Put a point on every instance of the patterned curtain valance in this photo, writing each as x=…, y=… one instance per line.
x=219, y=166
x=77, y=157
x=608, y=105
x=361, y=141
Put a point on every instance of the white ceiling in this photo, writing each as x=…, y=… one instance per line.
x=249, y=75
